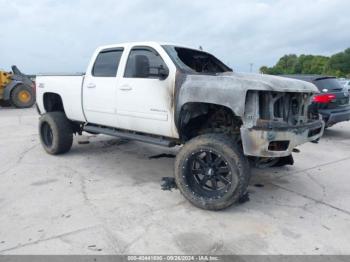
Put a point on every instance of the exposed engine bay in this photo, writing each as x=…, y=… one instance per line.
x=277, y=109
x=275, y=122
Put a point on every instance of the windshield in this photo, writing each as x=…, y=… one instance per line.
x=195, y=61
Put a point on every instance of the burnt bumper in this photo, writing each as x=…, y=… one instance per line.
x=279, y=141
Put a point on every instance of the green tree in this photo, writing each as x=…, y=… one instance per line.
x=309, y=64
x=318, y=64
x=264, y=70
x=286, y=64
x=337, y=65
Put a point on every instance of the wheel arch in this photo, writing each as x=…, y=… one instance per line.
x=53, y=102
x=196, y=115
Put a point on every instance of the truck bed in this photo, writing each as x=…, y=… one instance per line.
x=61, y=74
x=70, y=89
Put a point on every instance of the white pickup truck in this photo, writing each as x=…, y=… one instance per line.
x=172, y=95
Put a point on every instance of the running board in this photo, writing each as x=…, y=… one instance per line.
x=132, y=136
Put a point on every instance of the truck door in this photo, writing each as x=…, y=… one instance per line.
x=144, y=94
x=100, y=88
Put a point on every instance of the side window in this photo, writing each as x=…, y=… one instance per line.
x=143, y=63
x=106, y=63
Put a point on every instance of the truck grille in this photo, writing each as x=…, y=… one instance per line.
x=290, y=108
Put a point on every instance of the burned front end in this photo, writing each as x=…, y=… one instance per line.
x=276, y=122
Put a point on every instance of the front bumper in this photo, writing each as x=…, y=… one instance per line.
x=261, y=141
x=333, y=116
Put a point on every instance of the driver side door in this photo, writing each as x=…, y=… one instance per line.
x=143, y=96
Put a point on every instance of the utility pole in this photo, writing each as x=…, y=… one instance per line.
x=251, y=67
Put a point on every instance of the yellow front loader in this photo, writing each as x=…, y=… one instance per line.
x=16, y=89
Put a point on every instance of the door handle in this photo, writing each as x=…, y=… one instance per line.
x=125, y=88
x=91, y=85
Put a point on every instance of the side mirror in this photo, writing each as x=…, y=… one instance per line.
x=158, y=72
x=163, y=72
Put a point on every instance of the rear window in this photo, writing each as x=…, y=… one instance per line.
x=106, y=63
x=328, y=83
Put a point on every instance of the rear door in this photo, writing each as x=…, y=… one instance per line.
x=100, y=88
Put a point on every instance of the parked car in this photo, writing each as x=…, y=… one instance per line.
x=345, y=83
x=332, y=102
x=172, y=95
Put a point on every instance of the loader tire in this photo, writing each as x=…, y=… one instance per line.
x=22, y=96
x=4, y=103
x=56, y=133
x=212, y=172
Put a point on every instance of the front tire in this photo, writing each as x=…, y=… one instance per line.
x=56, y=133
x=212, y=172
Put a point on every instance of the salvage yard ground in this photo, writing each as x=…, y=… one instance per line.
x=104, y=197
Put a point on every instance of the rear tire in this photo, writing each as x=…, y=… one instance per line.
x=22, y=96
x=212, y=172
x=56, y=133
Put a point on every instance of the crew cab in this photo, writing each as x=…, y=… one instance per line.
x=173, y=95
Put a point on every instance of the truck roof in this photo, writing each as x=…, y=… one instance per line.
x=144, y=43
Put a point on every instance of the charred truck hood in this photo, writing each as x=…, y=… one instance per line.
x=274, y=110
x=230, y=89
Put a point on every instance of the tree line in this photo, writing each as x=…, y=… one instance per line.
x=335, y=65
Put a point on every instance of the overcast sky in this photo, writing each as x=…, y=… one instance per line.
x=59, y=36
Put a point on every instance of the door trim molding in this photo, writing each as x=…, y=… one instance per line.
x=160, y=116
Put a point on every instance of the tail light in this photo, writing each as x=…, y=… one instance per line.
x=324, y=98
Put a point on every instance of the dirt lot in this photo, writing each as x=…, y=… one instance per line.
x=104, y=197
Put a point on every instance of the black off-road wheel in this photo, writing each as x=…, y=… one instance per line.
x=212, y=172
x=22, y=96
x=56, y=134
